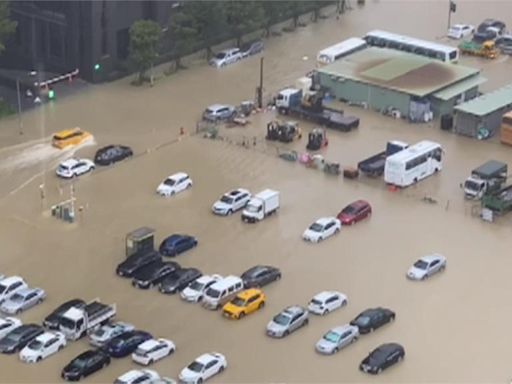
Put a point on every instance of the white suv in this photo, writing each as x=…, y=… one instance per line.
x=218, y=112
x=231, y=201
x=225, y=57
x=174, y=184
x=9, y=286
x=194, y=292
x=74, y=167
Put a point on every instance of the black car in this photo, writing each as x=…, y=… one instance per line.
x=373, y=318
x=126, y=343
x=489, y=29
x=112, y=154
x=52, y=321
x=176, y=244
x=260, y=275
x=16, y=340
x=382, y=357
x=179, y=280
x=134, y=262
x=85, y=364
x=153, y=273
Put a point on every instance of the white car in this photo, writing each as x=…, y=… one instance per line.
x=108, y=331
x=153, y=350
x=174, y=184
x=9, y=286
x=231, y=201
x=225, y=57
x=426, y=267
x=135, y=376
x=43, y=346
x=322, y=229
x=195, y=290
x=7, y=324
x=459, y=31
x=327, y=301
x=202, y=368
x=74, y=167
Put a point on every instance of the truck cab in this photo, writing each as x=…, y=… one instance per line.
x=288, y=97
x=76, y=322
x=487, y=178
x=260, y=206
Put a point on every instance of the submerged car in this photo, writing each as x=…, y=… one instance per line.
x=426, y=267
x=373, y=318
x=382, y=358
x=43, y=346
x=153, y=273
x=231, y=201
x=176, y=244
x=107, y=332
x=134, y=262
x=8, y=324
x=136, y=376
x=322, y=229
x=219, y=112
x=16, y=340
x=179, y=280
x=9, y=286
x=287, y=321
x=85, y=364
x=52, y=321
x=244, y=303
x=260, y=275
x=112, y=154
x=126, y=343
x=74, y=167
x=195, y=290
x=253, y=48
x=23, y=299
x=225, y=57
x=202, y=368
x=174, y=184
x=327, y=301
x=458, y=31
x=336, y=339
x=354, y=212
x=153, y=350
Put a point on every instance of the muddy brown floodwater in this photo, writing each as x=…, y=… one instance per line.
x=455, y=327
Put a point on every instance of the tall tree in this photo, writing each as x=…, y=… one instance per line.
x=317, y=7
x=243, y=17
x=211, y=21
x=272, y=14
x=297, y=9
x=7, y=26
x=183, y=30
x=144, y=40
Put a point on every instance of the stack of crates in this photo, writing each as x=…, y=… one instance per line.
x=506, y=129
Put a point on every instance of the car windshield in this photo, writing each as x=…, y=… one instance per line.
x=78, y=363
x=195, y=367
x=2, y=288
x=4, y=326
x=237, y=301
x=100, y=333
x=220, y=55
x=35, y=345
x=63, y=167
x=315, y=227
x=119, y=381
x=17, y=298
x=331, y=336
x=316, y=302
x=140, y=352
x=281, y=319
x=363, y=320
x=349, y=210
x=227, y=199
x=420, y=264
x=196, y=286
x=169, y=182
x=213, y=293
x=472, y=186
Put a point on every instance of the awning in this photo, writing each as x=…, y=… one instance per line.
x=459, y=88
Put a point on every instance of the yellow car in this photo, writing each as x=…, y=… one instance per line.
x=244, y=303
x=70, y=138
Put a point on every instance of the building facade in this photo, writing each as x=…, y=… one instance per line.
x=93, y=36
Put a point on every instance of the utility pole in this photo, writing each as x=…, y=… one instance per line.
x=451, y=9
x=260, y=88
x=20, y=123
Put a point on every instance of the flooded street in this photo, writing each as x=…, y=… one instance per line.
x=453, y=326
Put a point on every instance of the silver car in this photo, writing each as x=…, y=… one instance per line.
x=289, y=320
x=108, y=331
x=426, y=267
x=337, y=338
x=23, y=299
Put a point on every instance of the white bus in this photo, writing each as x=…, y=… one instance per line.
x=337, y=51
x=413, y=164
x=409, y=44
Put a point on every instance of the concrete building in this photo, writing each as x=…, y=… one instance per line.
x=483, y=116
x=60, y=36
x=383, y=78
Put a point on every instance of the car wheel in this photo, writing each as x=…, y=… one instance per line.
x=241, y=315
x=319, y=239
x=18, y=311
x=221, y=368
x=60, y=347
x=354, y=339
x=335, y=350
x=337, y=230
x=173, y=193
x=305, y=322
x=200, y=381
x=424, y=277
x=230, y=212
x=38, y=359
x=371, y=330
x=415, y=180
x=399, y=358
x=325, y=312
x=189, y=185
x=286, y=333
x=150, y=362
x=392, y=318
x=379, y=370
x=343, y=303
x=171, y=351
x=278, y=277
x=261, y=305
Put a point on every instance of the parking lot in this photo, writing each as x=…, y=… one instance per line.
x=452, y=326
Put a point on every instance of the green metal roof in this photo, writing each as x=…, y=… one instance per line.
x=488, y=102
x=460, y=87
x=401, y=71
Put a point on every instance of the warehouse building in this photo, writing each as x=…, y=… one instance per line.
x=385, y=79
x=482, y=117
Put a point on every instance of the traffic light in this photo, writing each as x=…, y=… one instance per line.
x=97, y=67
x=51, y=94
x=453, y=7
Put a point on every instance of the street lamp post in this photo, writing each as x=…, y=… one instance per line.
x=20, y=122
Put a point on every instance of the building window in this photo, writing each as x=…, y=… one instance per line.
x=56, y=41
x=123, y=41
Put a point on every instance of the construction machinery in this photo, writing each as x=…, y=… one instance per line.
x=487, y=49
x=284, y=132
x=317, y=139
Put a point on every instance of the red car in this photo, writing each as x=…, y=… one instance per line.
x=354, y=212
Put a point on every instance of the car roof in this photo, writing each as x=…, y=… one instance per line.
x=12, y=320
x=324, y=295
x=257, y=268
x=235, y=192
x=130, y=375
x=226, y=282
x=342, y=328
x=149, y=344
x=388, y=347
x=69, y=162
x=215, y=107
x=66, y=132
x=249, y=293
x=177, y=175
x=230, y=50
x=206, y=358
x=432, y=257
x=358, y=203
x=43, y=338
x=25, y=291
x=293, y=310
x=325, y=220
x=9, y=280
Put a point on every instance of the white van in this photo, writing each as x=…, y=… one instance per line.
x=222, y=291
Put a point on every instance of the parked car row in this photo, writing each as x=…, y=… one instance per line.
x=16, y=296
